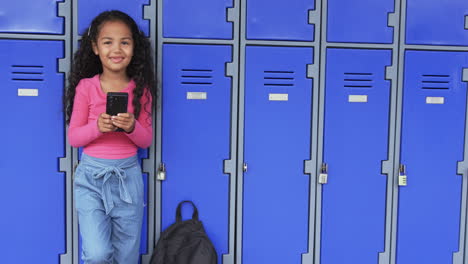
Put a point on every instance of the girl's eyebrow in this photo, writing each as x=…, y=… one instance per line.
x=113, y=38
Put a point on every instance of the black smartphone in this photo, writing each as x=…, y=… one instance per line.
x=117, y=102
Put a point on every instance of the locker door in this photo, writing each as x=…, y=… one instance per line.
x=279, y=20
x=197, y=19
x=355, y=144
x=32, y=190
x=278, y=103
x=196, y=121
x=37, y=17
x=89, y=9
x=437, y=22
x=360, y=21
x=432, y=142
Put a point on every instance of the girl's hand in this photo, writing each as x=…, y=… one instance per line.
x=126, y=121
x=105, y=123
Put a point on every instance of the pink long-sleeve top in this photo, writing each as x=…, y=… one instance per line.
x=89, y=103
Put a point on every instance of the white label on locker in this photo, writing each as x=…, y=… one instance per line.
x=196, y=95
x=435, y=100
x=357, y=98
x=277, y=97
x=28, y=92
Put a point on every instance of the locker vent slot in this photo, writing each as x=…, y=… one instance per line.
x=278, y=78
x=358, y=80
x=435, y=81
x=197, y=76
x=27, y=73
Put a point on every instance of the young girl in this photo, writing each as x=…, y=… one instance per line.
x=114, y=56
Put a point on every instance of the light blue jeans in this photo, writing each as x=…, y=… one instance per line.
x=109, y=201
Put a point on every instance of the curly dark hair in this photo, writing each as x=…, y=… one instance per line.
x=86, y=64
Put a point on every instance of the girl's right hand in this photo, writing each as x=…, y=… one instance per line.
x=105, y=123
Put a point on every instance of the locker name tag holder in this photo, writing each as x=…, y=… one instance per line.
x=435, y=100
x=28, y=92
x=353, y=98
x=278, y=97
x=196, y=96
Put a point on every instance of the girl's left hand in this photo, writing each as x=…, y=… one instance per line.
x=126, y=121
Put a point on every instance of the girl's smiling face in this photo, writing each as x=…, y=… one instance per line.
x=114, y=46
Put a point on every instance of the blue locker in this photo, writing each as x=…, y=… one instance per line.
x=278, y=103
x=203, y=19
x=432, y=142
x=436, y=22
x=356, y=121
x=37, y=17
x=360, y=21
x=196, y=121
x=279, y=20
x=32, y=190
x=89, y=9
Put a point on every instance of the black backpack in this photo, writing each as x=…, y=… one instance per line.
x=184, y=242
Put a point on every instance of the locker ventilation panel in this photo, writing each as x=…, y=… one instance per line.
x=358, y=80
x=197, y=76
x=278, y=78
x=435, y=81
x=27, y=73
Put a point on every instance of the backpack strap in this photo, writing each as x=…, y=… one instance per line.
x=179, y=213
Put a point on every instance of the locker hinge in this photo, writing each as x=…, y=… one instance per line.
x=323, y=175
x=244, y=167
x=466, y=22
x=402, y=175
x=161, y=175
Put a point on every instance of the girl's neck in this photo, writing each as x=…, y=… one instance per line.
x=114, y=76
x=113, y=82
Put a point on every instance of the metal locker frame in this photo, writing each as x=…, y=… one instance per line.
x=387, y=165
x=459, y=257
x=229, y=165
x=65, y=164
x=310, y=166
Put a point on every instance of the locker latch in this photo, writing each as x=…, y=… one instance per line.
x=402, y=175
x=161, y=172
x=323, y=175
